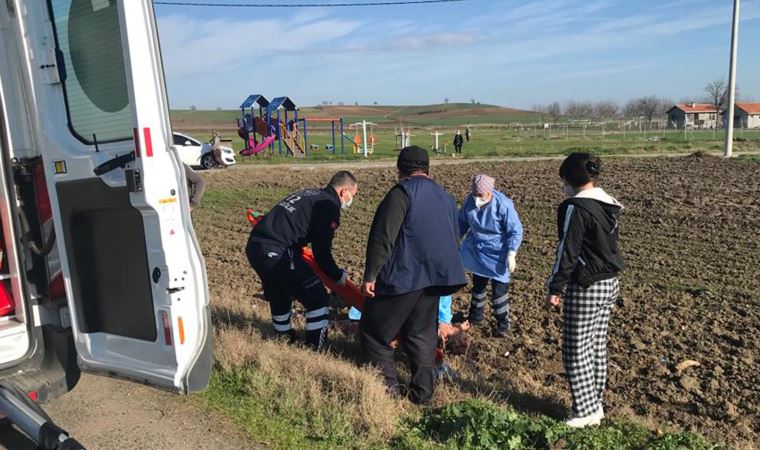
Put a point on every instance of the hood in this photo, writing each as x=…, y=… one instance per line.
x=605, y=208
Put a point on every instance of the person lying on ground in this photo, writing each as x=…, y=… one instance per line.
x=309, y=216
x=585, y=275
x=412, y=260
x=492, y=234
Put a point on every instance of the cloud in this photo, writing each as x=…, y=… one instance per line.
x=193, y=46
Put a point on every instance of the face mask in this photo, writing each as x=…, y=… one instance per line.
x=348, y=203
x=568, y=190
x=480, y=202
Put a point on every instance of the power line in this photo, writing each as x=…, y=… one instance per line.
x=306, y=5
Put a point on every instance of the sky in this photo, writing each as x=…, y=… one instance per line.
x=505, y=52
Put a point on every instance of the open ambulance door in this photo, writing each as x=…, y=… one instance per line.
x=135, y=279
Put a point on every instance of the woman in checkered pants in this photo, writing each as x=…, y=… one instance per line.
x=585, y=275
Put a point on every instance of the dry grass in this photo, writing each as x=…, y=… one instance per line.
x=318, y=382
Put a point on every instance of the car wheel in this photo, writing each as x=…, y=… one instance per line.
x=207, y=161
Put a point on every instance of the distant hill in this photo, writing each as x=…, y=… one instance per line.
x=452, y=114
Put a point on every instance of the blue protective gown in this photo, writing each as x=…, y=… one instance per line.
x=490, y=233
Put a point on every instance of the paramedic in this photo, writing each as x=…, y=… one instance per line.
x=309, y=216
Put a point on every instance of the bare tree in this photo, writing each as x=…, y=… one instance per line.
x=579, y=110
x=606, y=109
x=472, y=100
x=193, y=108
x=356, y=103
x=375, y=103
x=649, y=108
x=446, y=100
x=541, y=113
x=554, y=111
x=717, y=95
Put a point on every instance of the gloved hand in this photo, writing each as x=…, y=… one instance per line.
x=343, y=277
x=512, y=261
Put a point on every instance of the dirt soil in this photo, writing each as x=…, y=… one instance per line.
x=109, y=414
x=690, y=290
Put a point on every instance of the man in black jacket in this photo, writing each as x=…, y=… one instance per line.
x=309, y=216
x=458, y=142
x=412, y=260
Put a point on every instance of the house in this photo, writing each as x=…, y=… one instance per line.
x=746, y=115
x=693, y=116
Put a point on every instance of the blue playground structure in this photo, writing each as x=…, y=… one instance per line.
x=263, y=123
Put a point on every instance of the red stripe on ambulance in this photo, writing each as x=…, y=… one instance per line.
x=148, y=142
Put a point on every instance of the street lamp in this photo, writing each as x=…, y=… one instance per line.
x=728, y=149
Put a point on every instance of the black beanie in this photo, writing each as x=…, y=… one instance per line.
x=412, y=159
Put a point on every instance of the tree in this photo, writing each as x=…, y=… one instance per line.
x=717, y=96
x=193, y=108
x=579, y=110
x=648, y=108
x=341, y=104
x=554, y=111
x=541, y=113
x=446, y=100
x=472, y=100
x=325, y=103
x=218, y=108
x=606, y=109
x=375, y=103
x=356, y=103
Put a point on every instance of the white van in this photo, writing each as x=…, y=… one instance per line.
x=101, y=263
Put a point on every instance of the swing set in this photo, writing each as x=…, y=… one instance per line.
x=362, y=141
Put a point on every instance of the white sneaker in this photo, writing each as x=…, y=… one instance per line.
x=583, y=422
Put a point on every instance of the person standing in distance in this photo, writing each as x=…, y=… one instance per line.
x=412, y=260
x=585, y=275
x=458, y=142
x=309, y=216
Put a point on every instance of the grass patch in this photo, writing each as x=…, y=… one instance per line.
x=288, y=397
x=478, y=424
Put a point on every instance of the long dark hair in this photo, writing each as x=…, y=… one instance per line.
x=580, y=168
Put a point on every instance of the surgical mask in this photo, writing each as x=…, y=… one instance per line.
x=480, y=202
x=348, y=203
x=568, y=190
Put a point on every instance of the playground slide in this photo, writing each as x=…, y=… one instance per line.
x=259, y=148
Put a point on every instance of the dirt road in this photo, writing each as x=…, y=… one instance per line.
x=104, y=413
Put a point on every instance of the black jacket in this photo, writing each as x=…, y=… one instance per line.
x=310, y=216
x=458, y=140
x=588, y=228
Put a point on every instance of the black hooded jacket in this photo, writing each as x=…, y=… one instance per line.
x=588, y=228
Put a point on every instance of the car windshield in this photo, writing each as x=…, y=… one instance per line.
x=183, y=140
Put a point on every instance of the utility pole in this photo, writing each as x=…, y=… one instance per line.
x=729, y=147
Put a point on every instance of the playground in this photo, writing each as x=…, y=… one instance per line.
x=684, y=360
x=489, y=140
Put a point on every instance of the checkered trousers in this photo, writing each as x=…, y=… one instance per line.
x=584, y=346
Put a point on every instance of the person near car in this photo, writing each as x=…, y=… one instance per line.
x=492, y=234
x=196, y=187
x=216, y=149
x=412, y=260
x=585, y=276
x=458, y=142
x=309, y=216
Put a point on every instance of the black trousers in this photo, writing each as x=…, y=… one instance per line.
x=499, y=301
x=413, y=316
x=458, y=148
x=284, y=276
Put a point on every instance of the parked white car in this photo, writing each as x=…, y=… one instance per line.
x=194, y=153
